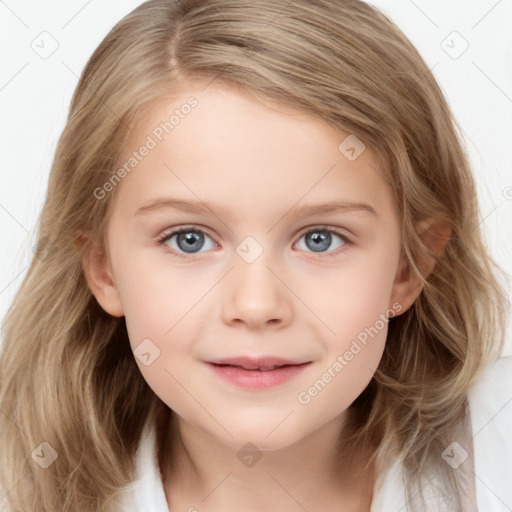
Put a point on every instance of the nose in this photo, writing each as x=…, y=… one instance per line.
x=254, y=295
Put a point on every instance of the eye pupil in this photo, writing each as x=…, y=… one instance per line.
x=321, y=240
x=193, y=239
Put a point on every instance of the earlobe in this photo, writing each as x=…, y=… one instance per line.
x=434, y=234
x=99, y=276
x=406, y=287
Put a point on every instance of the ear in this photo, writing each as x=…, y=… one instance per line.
x=434, y=233
x=98, y=274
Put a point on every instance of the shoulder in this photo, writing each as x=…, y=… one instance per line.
x=490, y=397
x=490, y=407
x=146, y=491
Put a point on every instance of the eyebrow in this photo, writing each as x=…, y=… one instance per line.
x=301, y=211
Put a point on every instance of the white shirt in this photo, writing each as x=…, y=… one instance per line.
x=490, y=405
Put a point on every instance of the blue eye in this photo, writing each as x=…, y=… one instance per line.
x=188, y=240
x=318, y=239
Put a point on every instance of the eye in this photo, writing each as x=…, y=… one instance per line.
x=190, y=240
x=186, y=240
x=320, y=238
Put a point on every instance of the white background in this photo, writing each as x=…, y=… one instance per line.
x=35, y=93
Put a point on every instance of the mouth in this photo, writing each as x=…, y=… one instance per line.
x=263, y=363
x=257, y=373
x=251, y=368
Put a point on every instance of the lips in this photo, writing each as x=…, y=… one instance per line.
x=261, y=363
x=257, y=373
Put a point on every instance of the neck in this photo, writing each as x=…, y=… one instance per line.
x=203, y=473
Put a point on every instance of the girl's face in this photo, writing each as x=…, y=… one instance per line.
x=244, y=284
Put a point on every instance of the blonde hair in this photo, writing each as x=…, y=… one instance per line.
x=67, y=373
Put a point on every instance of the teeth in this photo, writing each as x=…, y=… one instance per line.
x=260, y=368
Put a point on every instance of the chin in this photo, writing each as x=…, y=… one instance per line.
x=263, y=435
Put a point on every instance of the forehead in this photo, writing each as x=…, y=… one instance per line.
x=227, y=145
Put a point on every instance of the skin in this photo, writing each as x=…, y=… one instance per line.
x=252, y=163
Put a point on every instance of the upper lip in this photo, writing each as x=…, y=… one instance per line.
x=253, y=363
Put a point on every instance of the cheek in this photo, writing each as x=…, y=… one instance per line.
x=356, y=306
x=351, y=356
x=161, y=344
x=357, y=295
x=156, y=297
x=159, y=305
x=343, y=379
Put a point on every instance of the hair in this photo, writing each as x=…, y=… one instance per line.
x=67, y=373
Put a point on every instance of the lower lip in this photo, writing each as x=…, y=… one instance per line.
x=257, y=379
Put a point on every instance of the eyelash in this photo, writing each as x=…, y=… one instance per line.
x=347, y=242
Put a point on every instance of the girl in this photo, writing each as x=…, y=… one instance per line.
x=260, y=283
